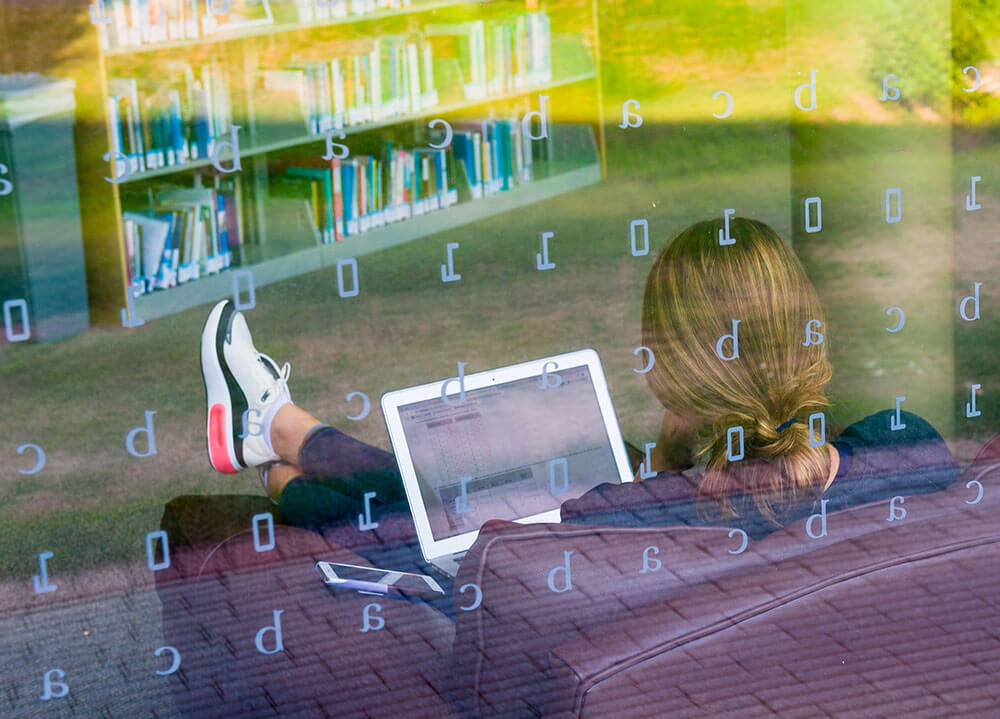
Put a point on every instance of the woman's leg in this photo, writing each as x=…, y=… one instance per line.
x=289, y=429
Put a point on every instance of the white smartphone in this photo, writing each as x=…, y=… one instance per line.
x=383, y=582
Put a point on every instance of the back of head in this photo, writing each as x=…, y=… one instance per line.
x=764, y=374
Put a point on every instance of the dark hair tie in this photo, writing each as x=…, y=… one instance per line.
x=785, y=425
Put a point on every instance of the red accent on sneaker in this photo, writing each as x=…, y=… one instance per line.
x=219, y=432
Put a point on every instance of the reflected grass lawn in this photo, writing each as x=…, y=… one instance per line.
x=93, y=503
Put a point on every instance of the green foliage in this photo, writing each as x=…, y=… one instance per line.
x=975, y=25
x=910, y=39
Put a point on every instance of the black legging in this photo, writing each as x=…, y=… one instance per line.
x=337, y=471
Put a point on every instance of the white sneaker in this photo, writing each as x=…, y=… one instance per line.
x=244, y=388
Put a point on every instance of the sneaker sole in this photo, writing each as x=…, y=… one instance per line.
x=223, y=454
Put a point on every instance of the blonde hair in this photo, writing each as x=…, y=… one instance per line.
x=694, y=290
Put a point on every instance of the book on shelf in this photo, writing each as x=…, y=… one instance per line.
x=494, y=154
x=462, y=47
x=367, y=80
x=186, y=233
x=137, y=23
x=388, y=183
x=171, y=119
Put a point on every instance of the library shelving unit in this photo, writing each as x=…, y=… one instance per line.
x=166, y=90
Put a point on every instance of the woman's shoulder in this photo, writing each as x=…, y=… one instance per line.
x=891, y=445
x=668, y=498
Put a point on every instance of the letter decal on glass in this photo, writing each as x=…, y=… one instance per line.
x=650, y=563
x=234, y=146
x=724, y=237
x=817, y=225
x=744, y=541
x=636, y=250
x=462, y=500
x=976, y=78
x=813, y=335
x=556, y=379
x=342, y=150
x=974, y=299
x=730, y=454
x=900, y=322
x=274, y=629
x=890, y=216
x=251, y=427
x=646, y=465
x=6, y=186
x=353, y=264
x=896, y=509
x=151, y=562
x=150, y=437
x=979, y=491
x=479, y=596
x=448, y=270
x=39, y=458
x=461, y=386
x=896, y=421
x=814, y=440
x=126, y=164
x=8, y=320
x=567, y=575
x=811, y=87
x=129, y=318
x=890, y=92
x=821, y=516
x=971, y=204
x=734, y=337
x=365, y=405
x=365, y=520
x=555, y=488
x=372, y=622
x=542, y=258
x=970, y=406
x=729, y=105
x=175, y=662
x=649, y=362
x=448, y=132
x=40, y=581
x=543, y=122
x=268, y=519
x=52, y=688
x=251, y=292
x=630, y=117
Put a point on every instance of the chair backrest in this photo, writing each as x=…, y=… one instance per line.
x=543, y=585
x=876, y=624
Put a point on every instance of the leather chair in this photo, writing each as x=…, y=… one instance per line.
x=875, y=618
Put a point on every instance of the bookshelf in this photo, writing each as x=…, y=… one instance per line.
x=378, y=73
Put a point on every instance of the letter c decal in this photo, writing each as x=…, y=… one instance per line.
x=899, y=322
x=39, y=461
x=649, y=362
x=729, y=104
x=979, y=490
x=743, y=540
x=479, y=596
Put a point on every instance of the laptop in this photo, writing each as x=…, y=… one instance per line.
x=511, y=443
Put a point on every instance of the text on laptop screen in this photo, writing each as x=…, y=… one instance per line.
x=517, y=450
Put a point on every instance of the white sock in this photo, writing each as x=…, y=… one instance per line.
x=268, y=418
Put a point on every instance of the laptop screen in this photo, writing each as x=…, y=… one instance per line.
x=509, y=451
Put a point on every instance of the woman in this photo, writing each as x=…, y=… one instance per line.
x=740, y=367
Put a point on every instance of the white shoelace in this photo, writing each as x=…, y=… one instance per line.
x=280, y=384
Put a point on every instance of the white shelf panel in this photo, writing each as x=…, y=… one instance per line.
x=215, y=287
